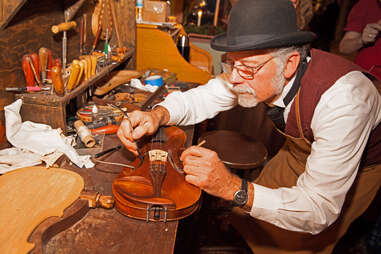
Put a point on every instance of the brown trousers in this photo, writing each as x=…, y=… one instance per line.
x=283, y=171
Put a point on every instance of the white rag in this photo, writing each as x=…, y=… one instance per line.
x=39, y=139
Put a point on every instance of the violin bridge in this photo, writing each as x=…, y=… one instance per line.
x=158, y=155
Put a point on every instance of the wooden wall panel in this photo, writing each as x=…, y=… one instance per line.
x=8, y=9
x=27, y=31
x=30, y=29
x=126, y=18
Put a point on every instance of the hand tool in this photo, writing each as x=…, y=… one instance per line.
x=106, y=47
x=80, y=75
x=89, y=66
x=85, y=68
x=50, y=62
x=94, y=62
x=108, y=120
x=27, y=89
x=57, y=62
x=1, y=10
x=84, y=31
x=121, y=49
x=75, y=70
x=116, y=148
x=43, y=55
x=27, y=69
x=64, y=27
x=96, y=38
x=201, y=143
x=140, y=155
x=72, y=10
x=81, y=36
x=108, y=129
x=35, y=65
x=57, y=81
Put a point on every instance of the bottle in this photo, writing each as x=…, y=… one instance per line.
x=183, y=46
x=139, y=11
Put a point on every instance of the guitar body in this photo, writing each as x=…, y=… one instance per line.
x=156, y=189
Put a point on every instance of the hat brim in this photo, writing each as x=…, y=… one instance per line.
x=253, y=42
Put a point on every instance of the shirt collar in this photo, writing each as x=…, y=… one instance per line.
x=279, y=100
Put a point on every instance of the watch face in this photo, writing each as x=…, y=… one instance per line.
x=240, y=197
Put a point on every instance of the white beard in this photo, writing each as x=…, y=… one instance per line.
x=246, y=96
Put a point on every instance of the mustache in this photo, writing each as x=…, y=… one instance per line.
x=243, y=89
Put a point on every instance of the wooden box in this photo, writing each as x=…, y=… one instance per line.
x=51, y=109
x=155, y=11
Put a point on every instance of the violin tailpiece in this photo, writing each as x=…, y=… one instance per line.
x=157, y=173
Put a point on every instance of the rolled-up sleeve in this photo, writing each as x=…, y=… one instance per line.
x=200, y=103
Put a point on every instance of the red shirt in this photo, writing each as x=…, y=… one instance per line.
x=363, y=13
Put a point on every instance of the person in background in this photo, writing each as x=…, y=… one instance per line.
x=363, y=35
x=329, y=169
x=326, y=13
x=304, y=13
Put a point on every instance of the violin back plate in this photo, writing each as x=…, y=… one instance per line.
x=30, y=195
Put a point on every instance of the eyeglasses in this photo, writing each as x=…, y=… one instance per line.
x=246, y=72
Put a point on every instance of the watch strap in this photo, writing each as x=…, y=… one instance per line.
x=244, y=185
x=243, y=190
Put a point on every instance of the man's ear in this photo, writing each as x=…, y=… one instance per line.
x=291, y=65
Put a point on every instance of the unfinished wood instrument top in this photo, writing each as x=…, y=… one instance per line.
x=30, y=195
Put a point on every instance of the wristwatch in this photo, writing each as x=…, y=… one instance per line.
x=240, y=196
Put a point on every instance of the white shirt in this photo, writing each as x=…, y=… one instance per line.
x=342, y=121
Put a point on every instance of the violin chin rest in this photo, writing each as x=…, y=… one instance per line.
x=128, y=188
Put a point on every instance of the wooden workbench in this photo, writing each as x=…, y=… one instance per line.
x=108, y=231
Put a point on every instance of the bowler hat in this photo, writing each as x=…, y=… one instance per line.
x=261, y=24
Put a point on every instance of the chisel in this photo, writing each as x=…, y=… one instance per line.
x=58, y=84
x=43, y=55
x=27, y=69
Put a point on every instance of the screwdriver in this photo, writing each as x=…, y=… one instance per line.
x=27, y=89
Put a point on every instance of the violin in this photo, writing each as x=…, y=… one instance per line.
x=156, y=190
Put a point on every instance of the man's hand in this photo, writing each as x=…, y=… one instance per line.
x=205, y=169
x=370, y=32
x=139, y=124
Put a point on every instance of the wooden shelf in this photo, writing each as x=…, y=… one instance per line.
x=50, y=109
x=46, y=98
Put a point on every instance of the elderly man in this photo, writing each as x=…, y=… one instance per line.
x=329, y=169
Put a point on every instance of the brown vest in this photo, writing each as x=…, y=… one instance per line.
x=323, y=71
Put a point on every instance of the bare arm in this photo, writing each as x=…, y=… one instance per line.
x=353, y=41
